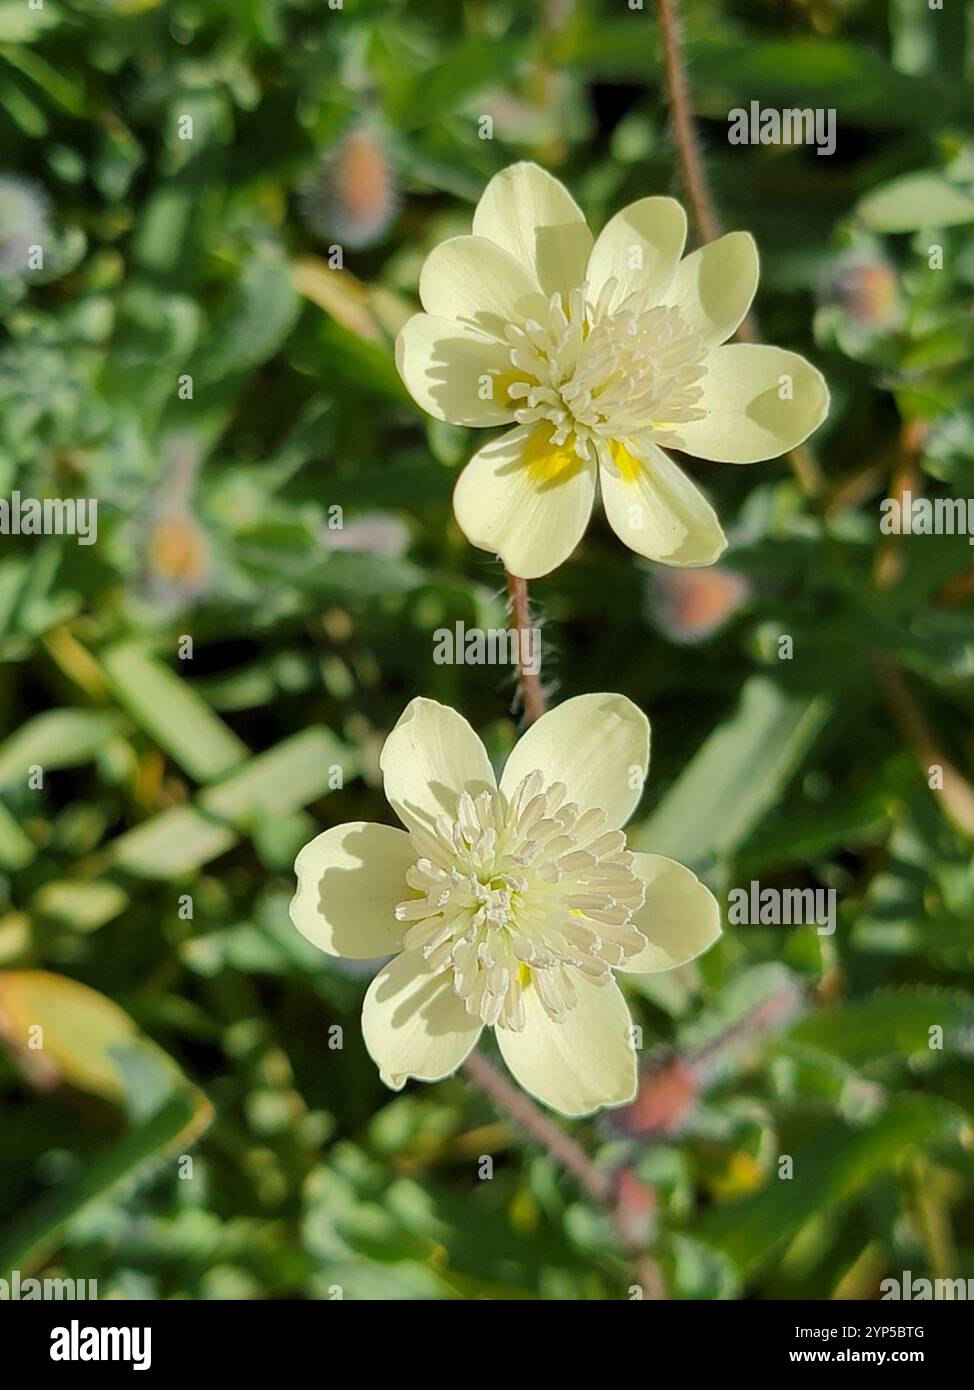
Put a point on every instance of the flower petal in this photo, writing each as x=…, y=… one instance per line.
x=584, y=1061
x=714, y=286
x=350, y=879
x=657, y=511
x=446, y=368
x=534, y=217
x=471, y=279
x=429, y=758
x=680, y=917
x=414, y=1024
x=525, y=500
x=747, y=418
x=640, y=248
x=598, y=745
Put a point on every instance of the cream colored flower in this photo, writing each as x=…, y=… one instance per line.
x=506, y=905
x=599, y=353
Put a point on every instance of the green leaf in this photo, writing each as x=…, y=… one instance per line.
x=832, y=1167
x=164, y=226
x=892, y=1024
x=31, y=1239
x=174, y=843
x=78, y=904
x=16, y=850
x=260, y=313
x=353, y=361
x=172, y=713
x=20, y=23
x=914, y=203
x=56, y=739
x=282, y=780
x=802, y=834
x=68, y=1032
x=68, y=95
x=276, y=783
x=735, y=776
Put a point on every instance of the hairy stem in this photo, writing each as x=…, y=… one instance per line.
x=523, y=1111
x=684, y=129
x=615, y=1192
x=618, y=1193
x=529, y=683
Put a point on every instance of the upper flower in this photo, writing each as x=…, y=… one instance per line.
x=507, y=904
x=597, y=352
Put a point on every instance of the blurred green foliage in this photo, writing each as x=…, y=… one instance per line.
x=144, y=884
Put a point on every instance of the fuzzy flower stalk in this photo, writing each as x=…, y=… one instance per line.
x=506, y=904
x=598, y=354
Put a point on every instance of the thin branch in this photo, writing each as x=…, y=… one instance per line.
x=529, y=682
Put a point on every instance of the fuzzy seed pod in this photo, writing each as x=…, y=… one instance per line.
x=352, y=195
x=692, y=604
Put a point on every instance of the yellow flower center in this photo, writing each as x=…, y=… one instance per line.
x=522, y=893
x=597, y=377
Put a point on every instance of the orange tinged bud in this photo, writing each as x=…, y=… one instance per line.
x=691, y=604
x=352, y=197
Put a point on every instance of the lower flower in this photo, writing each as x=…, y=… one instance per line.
x=506, y=905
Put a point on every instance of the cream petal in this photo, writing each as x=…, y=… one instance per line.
x=447, y=369
x=598, y=745
x=747, y=419
x=680, y=917
x=429, y=758
x=534, y=217
x=657, y=511
x=350, y=879
x=581, y=1063
x=478, y=283
x=640, y=247
x=524, y=501
x=414, y=1024
x=714, y=286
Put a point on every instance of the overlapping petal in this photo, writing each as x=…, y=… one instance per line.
x=431, y=757
x=713, y=287
x=582, y=1061
x=525, y=501
x=680, y=917
x=350, y=879
x=658, y=512
x=598, y=745
x=639, y=248
x=532, y=215
x=760, y=402
x=454, y=373
x=482, y=286
x=413, y=1023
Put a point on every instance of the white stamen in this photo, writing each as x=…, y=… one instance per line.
x=633, y=374
x=522, y=891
